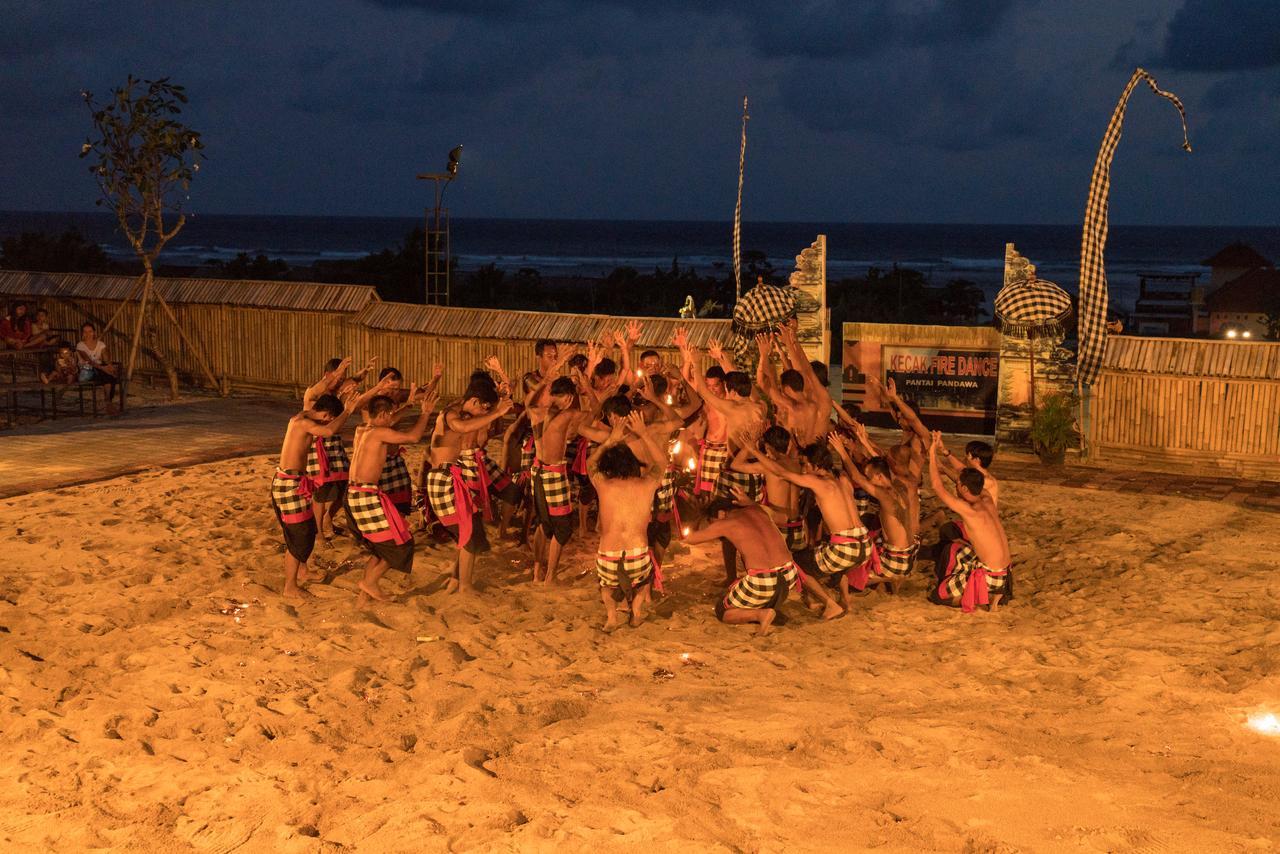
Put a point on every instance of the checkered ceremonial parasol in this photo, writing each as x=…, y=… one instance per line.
x=762, y=309
x=1093, y=275
x=1032, y=308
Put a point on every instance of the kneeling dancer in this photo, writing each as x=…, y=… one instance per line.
x=978, y=572
x=771, y=573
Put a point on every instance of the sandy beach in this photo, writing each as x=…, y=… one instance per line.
x=1103, y=710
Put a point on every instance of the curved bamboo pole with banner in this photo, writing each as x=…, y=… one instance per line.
x=1093, y=276
x=737, y=211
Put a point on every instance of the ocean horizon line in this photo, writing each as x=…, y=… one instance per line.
x=663, y=221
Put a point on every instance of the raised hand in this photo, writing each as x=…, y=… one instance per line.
x=492, y=363
x=437, y=369
x=764, y=344
x=633, y=330
x=740, y=497
x=635, y=421
x=681, y=339
x=714, y=350
x=936, y=443
x=429, y=400
x=891, y=389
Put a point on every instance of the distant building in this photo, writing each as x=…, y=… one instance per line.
x=1243, y=285
x=1169, y=304
x=1231, y=263
x=1243, y=302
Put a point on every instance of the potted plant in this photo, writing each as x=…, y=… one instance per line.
x=1053, y=428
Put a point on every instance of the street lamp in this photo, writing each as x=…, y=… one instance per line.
x=436, y=275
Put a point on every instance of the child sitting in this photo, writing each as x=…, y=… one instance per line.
x=64, y=370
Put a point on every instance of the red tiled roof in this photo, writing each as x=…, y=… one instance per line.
x=1252, y=292
x=1239, y=256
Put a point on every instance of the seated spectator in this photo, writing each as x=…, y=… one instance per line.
x=15, y=329
x=42, y=334
x=65, y=369
x=92, y=355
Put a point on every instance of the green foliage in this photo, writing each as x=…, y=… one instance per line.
x=1053, y=427
x=1271, y=316
x=256, y=267
x=143, y=159
x=68, y=252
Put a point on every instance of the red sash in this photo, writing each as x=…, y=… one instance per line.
x=580, y=456
x=481, y=485
x=306, y=486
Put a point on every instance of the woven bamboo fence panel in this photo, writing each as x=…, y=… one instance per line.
x=1207, y=407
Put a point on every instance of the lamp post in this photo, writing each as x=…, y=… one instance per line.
x=436, y=238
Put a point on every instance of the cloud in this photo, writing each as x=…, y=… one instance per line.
x=1222, y=35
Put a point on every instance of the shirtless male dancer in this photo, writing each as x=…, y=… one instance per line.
x=781, y=496
x=978, y=571
x=291, y=488
x=624, y=482
x=847, y=544
x=449, y=496
x=379, y=525
x=327, y=461
x=734, y=414
x=619, y=408
x=894, y=547
x=555, y=421
x=771, y=573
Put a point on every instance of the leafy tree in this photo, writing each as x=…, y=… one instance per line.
x=143, y=160
x=256, y=267
x=68, y=252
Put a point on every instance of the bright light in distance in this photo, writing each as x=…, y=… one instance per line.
x=639, y=373
x=1267, y=724
x=693, y=464
x=686, y=532
x=1246, y=334
x=675, y=449
x=1231, y=333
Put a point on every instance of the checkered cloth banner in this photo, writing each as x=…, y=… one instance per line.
x=737, y=211
x=761, y=309
x=1093, y=276
x=1032, y=307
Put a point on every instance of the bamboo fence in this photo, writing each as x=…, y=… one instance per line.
x=1205, y=406
x=275, y=337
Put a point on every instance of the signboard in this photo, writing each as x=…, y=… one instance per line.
x=955, y=385
x=946, y=380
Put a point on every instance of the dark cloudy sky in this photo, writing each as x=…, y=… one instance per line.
x=862, y=110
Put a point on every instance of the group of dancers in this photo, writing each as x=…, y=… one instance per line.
x=796, y=492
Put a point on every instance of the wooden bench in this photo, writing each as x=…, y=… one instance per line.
x=23, y=367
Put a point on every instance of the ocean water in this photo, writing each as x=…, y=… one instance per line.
x=594, y=247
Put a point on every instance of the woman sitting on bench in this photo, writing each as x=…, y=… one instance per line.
x=92, y=355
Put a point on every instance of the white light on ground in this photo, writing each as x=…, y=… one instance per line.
x=1267, y=724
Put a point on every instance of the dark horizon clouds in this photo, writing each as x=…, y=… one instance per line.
x=863, y=110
